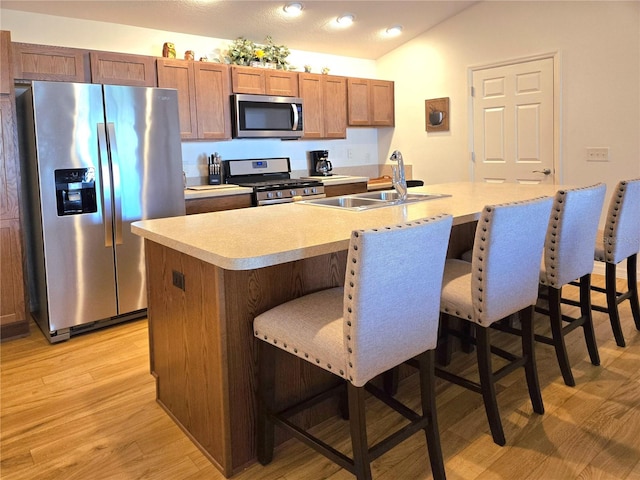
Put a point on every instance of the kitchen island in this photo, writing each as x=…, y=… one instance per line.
x=209, y=275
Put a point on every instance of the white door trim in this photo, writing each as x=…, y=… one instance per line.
x=557, y=107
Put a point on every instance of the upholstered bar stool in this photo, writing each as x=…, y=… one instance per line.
x=568, y=257
x=500, y=280
x=620, y=241
x=386, y=313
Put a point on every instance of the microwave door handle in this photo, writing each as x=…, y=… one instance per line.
x=107, y=214
x=117, y=188
x=294, y=107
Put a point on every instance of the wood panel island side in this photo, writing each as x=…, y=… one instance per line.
x=209, y=275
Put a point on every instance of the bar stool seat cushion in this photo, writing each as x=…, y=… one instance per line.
x=309, y=327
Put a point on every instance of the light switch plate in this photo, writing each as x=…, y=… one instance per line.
x=597, y=154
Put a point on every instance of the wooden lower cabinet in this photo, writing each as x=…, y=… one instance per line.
x=217, y=204
x=203, y=353
x=13, y=317
x=345, y=189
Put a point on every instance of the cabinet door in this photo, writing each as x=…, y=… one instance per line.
x=13, y=318
x=43, y=62
x=358, y=96
x=279, y=82
x=382, y=103
x=248, y=80
x=335, y=107
x=312, y=96
x=9, y=160
x=212, y=100
x=123, y=69
x=179, y=74
x=6, y=77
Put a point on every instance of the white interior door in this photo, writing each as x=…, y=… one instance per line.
x=513, y=123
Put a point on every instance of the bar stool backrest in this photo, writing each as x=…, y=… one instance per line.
x=571, y=234
x=505, y=262
x=392, y=295
x=622, y=227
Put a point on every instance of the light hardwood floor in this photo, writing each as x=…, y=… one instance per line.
x=85, y=409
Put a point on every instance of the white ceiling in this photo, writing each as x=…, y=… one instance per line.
x=314, y=30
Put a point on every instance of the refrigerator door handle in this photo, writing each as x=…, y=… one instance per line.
x=107, y=215
x=117, y=188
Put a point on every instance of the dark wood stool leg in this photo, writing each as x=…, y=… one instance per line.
x=428, y=396
x=632, y=285
x=266, y=399
x=445, y=341
x=528, y=351
x=343, y=403
x=357, y=419
x=390, y=380
x=587, y=318
x=612, y=303
x=487, y=385
x=555, y=317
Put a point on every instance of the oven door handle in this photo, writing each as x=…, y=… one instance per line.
x=298, y=198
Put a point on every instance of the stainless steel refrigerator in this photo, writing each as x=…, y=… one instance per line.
x=94, y=159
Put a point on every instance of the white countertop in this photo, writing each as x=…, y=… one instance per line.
x=251, y=238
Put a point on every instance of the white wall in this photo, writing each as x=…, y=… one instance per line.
x=599, y=49
x=360, y=147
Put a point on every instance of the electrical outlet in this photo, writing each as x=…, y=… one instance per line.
x=178, y=279
x=349, y=154
x=597, y=154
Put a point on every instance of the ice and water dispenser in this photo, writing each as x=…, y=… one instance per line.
x=75, y=191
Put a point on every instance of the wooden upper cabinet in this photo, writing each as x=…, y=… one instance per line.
x=212, y=100
x=359, y=111
x=279, y=82
x=179, y=74
x=335, y=107
x=264, y=81
x=44, y=62
x=382, y=103
x=248, y=80
x=203, y=97
x=123, y=69
x=371, y=102
x=325, y=105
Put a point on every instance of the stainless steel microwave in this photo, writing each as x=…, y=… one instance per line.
x=266, y=116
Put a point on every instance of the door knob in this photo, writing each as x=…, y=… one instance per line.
x=546, y=171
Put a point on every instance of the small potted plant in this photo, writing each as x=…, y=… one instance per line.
x=241, y=52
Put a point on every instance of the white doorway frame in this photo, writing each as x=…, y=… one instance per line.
x=557, y=108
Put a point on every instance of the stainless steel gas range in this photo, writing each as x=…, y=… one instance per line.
x=271, y=180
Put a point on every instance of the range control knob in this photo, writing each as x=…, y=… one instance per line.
x=269, y=194
x=292, y=192
x=279, y=193
x=306, y=191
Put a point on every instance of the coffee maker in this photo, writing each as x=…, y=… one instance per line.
x=320, y=164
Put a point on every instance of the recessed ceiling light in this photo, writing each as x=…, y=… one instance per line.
x=394, y=31
x=346, y=19
x=293, y=8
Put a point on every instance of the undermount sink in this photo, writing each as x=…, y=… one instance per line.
x=369, y=200
x=392, y=195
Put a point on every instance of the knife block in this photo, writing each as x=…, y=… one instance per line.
x=214, y=179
